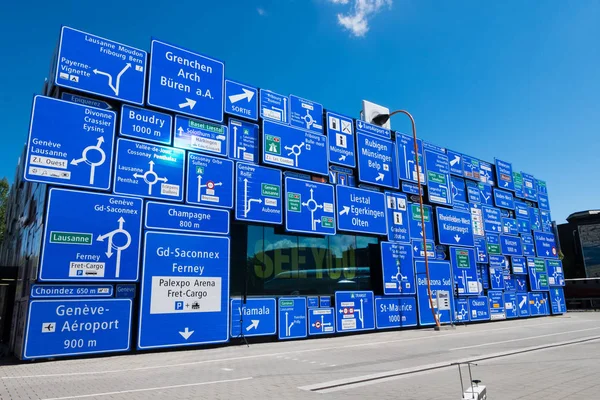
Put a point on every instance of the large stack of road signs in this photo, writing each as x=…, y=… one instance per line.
x=137, y=164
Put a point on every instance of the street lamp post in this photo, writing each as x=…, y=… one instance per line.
x=380, y=120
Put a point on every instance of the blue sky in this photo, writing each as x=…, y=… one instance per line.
x=514, y=80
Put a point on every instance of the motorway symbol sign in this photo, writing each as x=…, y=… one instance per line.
x=376, y=161
x=511, y=245
x=253, y=317
x=493, y=244
x=374, y=130
x=59, y=328
x=459, y=191
x=258, y=196
x=510, y=226
x=473, y=193
x=407, y=169
x=91, y=237
x=202, y=136
x=485, y=173
x=209, y=181
x=538, y=274
x=496, y=305
x=455, y=162
x=485, y=192
x=274, y=106
x=140, y=123
x=340, y=135
x=470, y=167
x=504, y=174
x=492, y=219
x=293, y=148
x=510, y=305
x=185, y=289
x=523, y=304
x=439, y=189
x=454, y=227
x=528, y=245
x=355, y=311
x=180, y=218
x=185, y=82
x=243, y=141
x=557, y=301
x=241, y=100
x=545, y=245
x=519, y=265
x=479, y=308
x=321, y=321
x=464, y=270
x=395, y=312
x=75, y=149
x=440, y=281
x=416, y=228
x=556, y=274
x=149, y=170
x=85, y=101
x=306, y=114
x=529, y=187
x=481, y=250
x=309, y=207
x=496, y=278
x=360, y=210
x=70, y=291
x=546, y=220
x=397, y=217
x=398, y=269
x=461, y=309
x=504, y=199
x=419, y=252
x=292, y=317
x=537, y=304
x=95, y=65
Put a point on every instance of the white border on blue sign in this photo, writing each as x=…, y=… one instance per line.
x=352, y=134
x=337, y=210
x=232, y=299
x=187, y=186
x=170, y=117
x=280, y=194
x=393, y=165
x=252, y=88
x=305, y=308
x=198, y=208
x=286, y=209
x=401, y=325
x=372, y=297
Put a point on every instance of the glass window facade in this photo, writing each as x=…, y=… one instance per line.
x=589, y=236
x=266, y=261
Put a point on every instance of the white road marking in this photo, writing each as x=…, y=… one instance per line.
x=148, y=389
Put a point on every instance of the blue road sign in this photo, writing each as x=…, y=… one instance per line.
x=149, y=170
x=355, y=311
x=493, y=244
x=496, y=278
x=125, y=291
x=484, y=274
x=521, y=283
x=510, y=305
x=518, y=182
x=510, y=226
x=459, y=191
x=523, y=304
x=538, y=274
x=473, y=193
x=92, y=64
x=523, y=226
x=258, y=195
x=504, y=199
x=485, y=173
x=519, y=265
x=140, y=123
x=479, y=308
x=499, y=262
x=324, y=301
x=492, y=219
x=309, y=207
x=274, y=106
x=202, y=136
x=321, y=321
x=85, y=101
x=529, y=187
x=470, y=167
x=543, y=202
x=419, y=252
x=243, y=141
x=209, y=181
x=340, y=135
x=255, y=317
x=440, y=280
x=476, y=219
x=292, y=317
x=537, y=304
x=535, y=219
x=556, y=274
x=411, y=188
x=416, y=227
x=306, y=114
x=461, y=309
x=439, y=189
x=376, y=161
x=185, y=288
x=454, y=227
x=481, y=250
x=521, y=210
x=312, y=301
x=496, y=305
x=374, y=130
x=407, y=170
x=293, y=148
x=455, y=162
x=546, y=220
x=185, y=82
x=398, y=269
x=59, y=328
x=557, y=301
x=177, y=217
x=541, y=186
x=485, y=192
x=70, y=291
x=464, y=270
x=528, y=245
x=504, y=175
x=241, y=100
x=360, y=210
x=91, y=237
x=545, y=245
x=397, y=217
x=73, y=150
x=395, y=312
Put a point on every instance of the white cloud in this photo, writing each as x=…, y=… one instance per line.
x=261, y=11
x=356, y=20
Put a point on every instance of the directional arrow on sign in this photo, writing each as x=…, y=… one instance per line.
x=254, y=324
x=455, y=161
x=186, y=333
x=248, y=94
x=342, y=158
x=457, y=238
x=380, y=177
x=189, y=103
x=506, y=184
x=346, y=210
